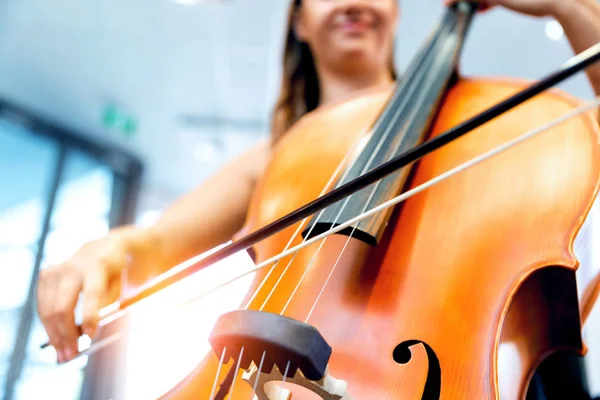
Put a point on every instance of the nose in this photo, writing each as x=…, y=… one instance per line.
x=354, y=8
x=356, y=2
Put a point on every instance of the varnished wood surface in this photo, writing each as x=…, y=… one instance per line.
x=480, y=267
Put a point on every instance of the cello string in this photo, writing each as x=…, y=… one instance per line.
x=474, y=161
x=314, y=257
x=328, y=277
x=235, y=374
x=394, y=98
x=322, y=242
x=214, y=388
x=334, y=266
x=338, y=258
x=287, y=368
x=414, y=85
x=421, y=96
x=402, y=105
x=392, y=202
x=262, y=360
x=425, y=55
x=355, y=146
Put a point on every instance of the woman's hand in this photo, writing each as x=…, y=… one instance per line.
x=95, y=271
x=537, y=8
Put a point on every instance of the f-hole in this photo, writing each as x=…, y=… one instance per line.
x=433, y=385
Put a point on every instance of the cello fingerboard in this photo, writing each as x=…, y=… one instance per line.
x=402, y=125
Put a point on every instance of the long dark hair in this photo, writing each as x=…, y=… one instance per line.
x=299, y=92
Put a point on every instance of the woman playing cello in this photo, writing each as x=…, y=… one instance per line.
x=334, y=50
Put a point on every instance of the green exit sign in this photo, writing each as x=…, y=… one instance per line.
x=115, y=119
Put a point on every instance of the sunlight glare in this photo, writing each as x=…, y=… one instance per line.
x=162, y=353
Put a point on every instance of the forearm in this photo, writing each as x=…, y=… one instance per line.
x=201, y=220
x=580, y=20
x=211, y=214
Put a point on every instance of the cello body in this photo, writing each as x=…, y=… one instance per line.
x=473, y=282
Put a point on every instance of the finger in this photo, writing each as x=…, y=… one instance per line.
x=55, y=340
x=483, y=5
x=63, y=316
x=95, y=289
x=45, y=292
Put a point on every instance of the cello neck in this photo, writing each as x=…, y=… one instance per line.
x=402, y=125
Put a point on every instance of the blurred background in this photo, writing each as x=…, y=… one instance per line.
x=111, y=109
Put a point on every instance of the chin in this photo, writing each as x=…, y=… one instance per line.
x=358, y=45
x=355, y=56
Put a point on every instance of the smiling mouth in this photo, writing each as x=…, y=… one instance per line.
x=354, y=28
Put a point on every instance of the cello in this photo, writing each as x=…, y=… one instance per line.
x=441, y=264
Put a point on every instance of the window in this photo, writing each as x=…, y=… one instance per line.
x=58, y=191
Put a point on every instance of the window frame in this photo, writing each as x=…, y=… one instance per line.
x=127, y=171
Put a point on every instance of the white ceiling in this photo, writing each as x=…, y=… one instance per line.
x=217, y=61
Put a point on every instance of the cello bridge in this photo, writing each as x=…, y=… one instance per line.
x=327, y=388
